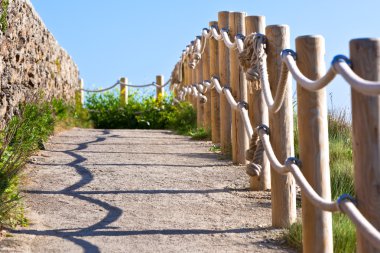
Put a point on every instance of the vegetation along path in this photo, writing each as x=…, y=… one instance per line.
x=140, y=191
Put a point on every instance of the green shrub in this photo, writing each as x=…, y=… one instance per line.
x=23, y=135
x=141, y=112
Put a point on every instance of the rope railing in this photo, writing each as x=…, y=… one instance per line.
x=340, y=65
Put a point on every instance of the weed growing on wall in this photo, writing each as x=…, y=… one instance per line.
x=4, y=15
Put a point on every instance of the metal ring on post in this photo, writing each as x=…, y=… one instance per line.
x=240, y=36
x=286, y=52
x=243, y=104
x=346, y=196
x=293, y=160
x=225, y=88
x=265, y=128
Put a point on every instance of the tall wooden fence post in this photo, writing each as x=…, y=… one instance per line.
x=282, y=137
x=224, y=77
x=314, y=145
x=258, y=111
x=365, y=56
x=206, y=76
x=215, y=99
x=200, y=106
x=238, y=82
x=123, y=91
x=79, y=96
x=160, y=90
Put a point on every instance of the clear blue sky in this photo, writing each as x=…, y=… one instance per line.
x=140, y=39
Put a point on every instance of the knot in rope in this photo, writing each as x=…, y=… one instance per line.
x=255, y=155
x=251, y=58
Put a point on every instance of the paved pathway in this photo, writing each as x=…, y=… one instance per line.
x=140, y=191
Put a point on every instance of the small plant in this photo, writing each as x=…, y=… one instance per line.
x=4, y=15
x=200, y=134
x=215, y=148
x=22, y=136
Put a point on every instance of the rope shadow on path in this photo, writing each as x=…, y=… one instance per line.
x=103, y=228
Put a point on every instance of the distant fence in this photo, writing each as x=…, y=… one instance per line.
x=229, y=74
x=123, y=84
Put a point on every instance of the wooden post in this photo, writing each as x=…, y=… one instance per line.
x=206, y=76
x=193, y=81
x=123, y=91
x=240, y=141
x=365, y=56
x=200, y=105
x=159, y=90
x=224, y=77
x=314, y=145
x=187, y=78
x=283, y=186
x=79, y=96
x=215, y=99
x=257, y=110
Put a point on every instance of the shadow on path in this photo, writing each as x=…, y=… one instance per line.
x=102, y=227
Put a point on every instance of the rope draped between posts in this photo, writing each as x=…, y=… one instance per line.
x=128, y=85
x=253, y=60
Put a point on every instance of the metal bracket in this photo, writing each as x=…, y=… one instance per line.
x=289, y=52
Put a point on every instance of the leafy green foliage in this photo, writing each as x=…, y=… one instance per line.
x=4, y=15
x=141, y=112
x=23, y=135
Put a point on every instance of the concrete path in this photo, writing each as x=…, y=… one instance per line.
x=140, y=191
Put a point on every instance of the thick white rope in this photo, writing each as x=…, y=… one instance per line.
x=230, y=98
x=361, y=223
x=340, y=65
x=102, y=90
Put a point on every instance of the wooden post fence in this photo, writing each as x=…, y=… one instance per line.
x=215, y=99
x=200, y=106
x=257, y=110
x=224, y=73
x=275, y=67
x=314, y=145
x=365, y=56
x=206, y=76
x=282, y=137
x=238, y=82
x=123, y=91
x=159, y=90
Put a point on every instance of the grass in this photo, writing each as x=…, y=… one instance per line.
x=341, y=170
x=200, y=134
x=23, y=135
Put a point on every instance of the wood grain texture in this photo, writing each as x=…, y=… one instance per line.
x=282, y=137
x=206, y=76
x=123, y=91
x=224, y=77
x=238, y=82
x=200, y=106
x=314, y=146
x=365, y=56
x=257, y=110
x=215, y=99
x=159, y=90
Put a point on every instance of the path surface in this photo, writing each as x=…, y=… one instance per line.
x=140, y=191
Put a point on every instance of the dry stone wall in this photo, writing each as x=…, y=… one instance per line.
x=31, y=60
